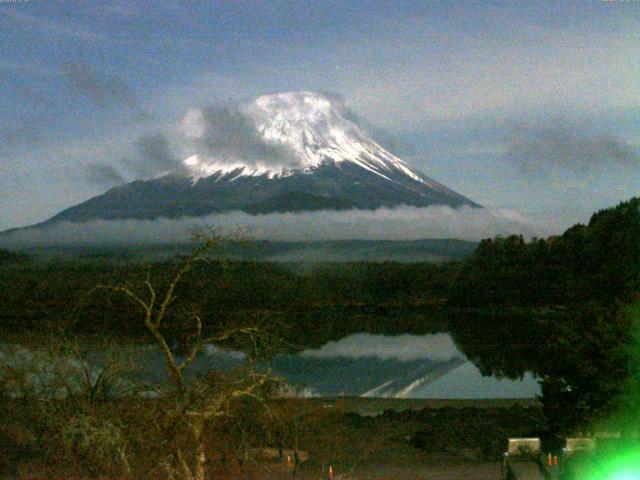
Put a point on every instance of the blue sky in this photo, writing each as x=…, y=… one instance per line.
x=533, y=106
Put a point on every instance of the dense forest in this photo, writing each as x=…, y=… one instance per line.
x=562, y=308
x=315, y=303
x=598, y=263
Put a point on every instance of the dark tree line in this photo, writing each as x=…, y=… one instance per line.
x=598, y=262
x=314, y=303
x=559, y=307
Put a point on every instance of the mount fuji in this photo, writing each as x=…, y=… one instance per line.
x=284, y=152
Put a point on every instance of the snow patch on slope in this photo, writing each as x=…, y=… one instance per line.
x=308, y=128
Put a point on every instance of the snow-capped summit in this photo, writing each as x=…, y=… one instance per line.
x=306, y=129
x=281, y=152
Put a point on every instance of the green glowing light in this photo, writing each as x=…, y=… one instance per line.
x=625, y=476
x=621, y=465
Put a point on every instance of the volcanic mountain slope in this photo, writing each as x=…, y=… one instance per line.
x=299, y=151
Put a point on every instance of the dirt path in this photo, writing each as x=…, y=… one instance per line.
x=483, y=471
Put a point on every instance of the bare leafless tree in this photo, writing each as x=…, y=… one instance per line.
x=197, y=404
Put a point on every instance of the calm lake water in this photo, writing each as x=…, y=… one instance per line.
x=404, y=366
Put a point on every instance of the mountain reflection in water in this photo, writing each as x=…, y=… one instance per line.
x=359, y=365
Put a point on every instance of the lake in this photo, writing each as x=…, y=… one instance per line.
x=363, y=364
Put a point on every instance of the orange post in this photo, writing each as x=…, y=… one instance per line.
x=549, y=464
x=330, y=472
